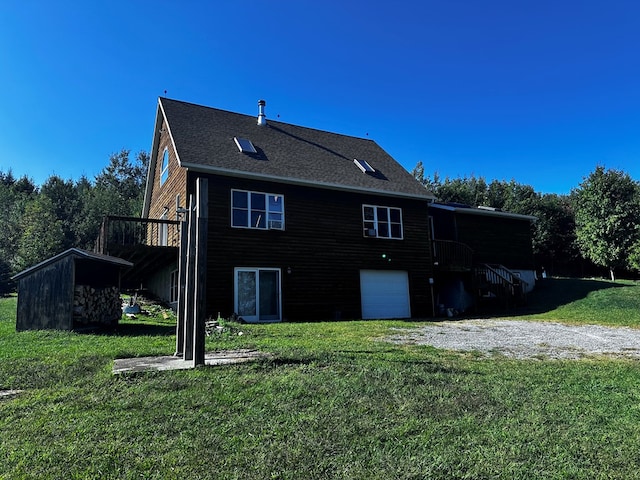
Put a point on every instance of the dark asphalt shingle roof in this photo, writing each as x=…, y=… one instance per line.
x=204, y=140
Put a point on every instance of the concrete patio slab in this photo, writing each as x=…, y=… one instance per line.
x=169, y=362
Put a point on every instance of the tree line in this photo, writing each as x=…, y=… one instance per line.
x=595, y=227
x=37, y=222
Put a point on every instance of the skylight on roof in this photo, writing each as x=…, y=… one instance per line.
x=244, y=145
x=364, y=166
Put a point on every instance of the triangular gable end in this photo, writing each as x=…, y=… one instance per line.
x=161, y=119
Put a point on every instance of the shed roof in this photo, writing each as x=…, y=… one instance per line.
x=203, y=138
x=76, y=253
x=485, y=211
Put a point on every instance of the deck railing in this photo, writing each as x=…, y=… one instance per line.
x=132, y=231
x=452, y=256
x=497, y=281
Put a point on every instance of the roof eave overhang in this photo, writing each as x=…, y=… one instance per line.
x=297, y=181
x=153, y=160
x=151, y=170
x=486, y=213
x=77, y=253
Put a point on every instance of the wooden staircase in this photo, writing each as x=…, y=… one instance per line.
x=495, y=285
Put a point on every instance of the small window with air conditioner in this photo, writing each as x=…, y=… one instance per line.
x=382, y=222
x=264, y=211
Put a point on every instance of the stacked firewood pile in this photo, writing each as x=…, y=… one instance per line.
x=96, y=305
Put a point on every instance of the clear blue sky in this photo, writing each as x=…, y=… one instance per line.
x=536, y=91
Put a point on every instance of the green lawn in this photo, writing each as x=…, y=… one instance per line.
x=587, y=301
x=334, y=402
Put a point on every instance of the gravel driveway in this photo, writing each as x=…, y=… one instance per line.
x=525, y=339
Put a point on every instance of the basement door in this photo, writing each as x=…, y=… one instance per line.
x=385, y=294
x=257, y=294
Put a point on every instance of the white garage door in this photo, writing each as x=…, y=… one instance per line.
x=385, y=294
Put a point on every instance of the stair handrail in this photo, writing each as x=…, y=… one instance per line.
x=506, y=282
x=511, y=274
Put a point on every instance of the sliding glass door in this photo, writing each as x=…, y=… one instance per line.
x=257, y=294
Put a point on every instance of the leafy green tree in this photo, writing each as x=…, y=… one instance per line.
x=554, y=233
x=634, y=256
x=607, y=209
x=468, y=190
x=513, y=197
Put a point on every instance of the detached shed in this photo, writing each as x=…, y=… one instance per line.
x=72, y=289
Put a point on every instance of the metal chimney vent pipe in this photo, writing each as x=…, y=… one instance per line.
x=262, y=119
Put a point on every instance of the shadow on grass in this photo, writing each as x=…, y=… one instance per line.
x=132, y=330
x=552, y=293
x=342, y=358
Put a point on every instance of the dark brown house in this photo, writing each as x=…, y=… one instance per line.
x=303, y=224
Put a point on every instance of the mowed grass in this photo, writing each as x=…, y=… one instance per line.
x=588, y=301
x=334, y=401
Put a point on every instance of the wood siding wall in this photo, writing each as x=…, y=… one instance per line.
x=322, y=245
x=45, y=297
x=165, y=195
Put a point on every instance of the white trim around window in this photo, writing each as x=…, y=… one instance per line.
x=382, y=222
x=257, y=210
x=257, y=294
x=164, y=168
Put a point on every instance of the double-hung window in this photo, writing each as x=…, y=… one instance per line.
x=164, y=169
x=382, y=222
x=259, y=210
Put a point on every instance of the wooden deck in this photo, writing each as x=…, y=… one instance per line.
x=150, y=244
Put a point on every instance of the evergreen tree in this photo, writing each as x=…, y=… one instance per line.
x=42, y=233
x=66, y=205
x=15, y=196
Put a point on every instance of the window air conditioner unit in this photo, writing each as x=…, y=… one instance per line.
x=370, y=232
x=275, y=224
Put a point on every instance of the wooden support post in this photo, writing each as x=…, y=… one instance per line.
x=200, y=270
x=189, y=284
x=182, y=299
